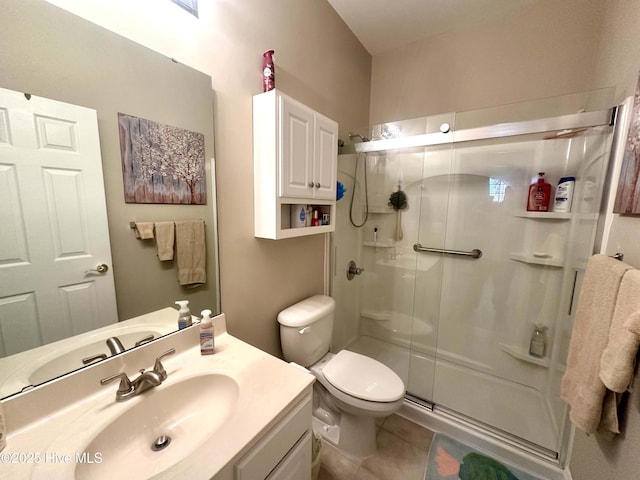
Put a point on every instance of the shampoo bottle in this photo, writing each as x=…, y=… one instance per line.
x=184, y=314
x=206, y=333
x=539, y=195
x=564, y=194
x=538, y=343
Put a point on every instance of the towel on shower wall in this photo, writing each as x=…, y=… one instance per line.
x=581, y=386
x=618, y=359
x=165, y=234
x=191, y=253
x=144, y=230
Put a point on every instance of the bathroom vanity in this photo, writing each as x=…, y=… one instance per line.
x=240, y=414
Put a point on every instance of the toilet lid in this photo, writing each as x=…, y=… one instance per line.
x=363, y=377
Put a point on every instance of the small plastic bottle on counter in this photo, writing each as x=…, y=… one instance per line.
x=184, y=314
x=315, y=221
x=207, y=346
x=539, y=195
x=564, y=194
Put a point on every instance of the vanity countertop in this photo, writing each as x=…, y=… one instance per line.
x=49, y=444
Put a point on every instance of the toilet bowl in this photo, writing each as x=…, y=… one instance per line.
x=352, y=390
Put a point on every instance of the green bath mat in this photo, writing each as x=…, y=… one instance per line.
x=452, y=460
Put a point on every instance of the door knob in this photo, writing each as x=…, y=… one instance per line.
x=102, y=268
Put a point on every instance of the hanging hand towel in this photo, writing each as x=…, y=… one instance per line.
x=144, y=230
x=618, y=359
x=164, y=240
x=581, y=386
x=191, y=252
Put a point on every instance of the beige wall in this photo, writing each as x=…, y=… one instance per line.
x=547, y=49
x=318, y=61
x=51, y=53
x=617, y=63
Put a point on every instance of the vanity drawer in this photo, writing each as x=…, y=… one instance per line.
x=275, y=445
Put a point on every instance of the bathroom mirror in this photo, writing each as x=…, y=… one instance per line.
x=50, y=53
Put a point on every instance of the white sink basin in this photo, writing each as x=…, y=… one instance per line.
x=188, y=411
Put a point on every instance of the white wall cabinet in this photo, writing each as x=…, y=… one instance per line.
x=295, y=152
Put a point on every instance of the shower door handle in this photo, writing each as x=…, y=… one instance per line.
x=475, y=253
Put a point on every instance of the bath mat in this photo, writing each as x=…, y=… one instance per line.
x=452, y=460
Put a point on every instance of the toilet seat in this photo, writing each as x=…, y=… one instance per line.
x=363, y=377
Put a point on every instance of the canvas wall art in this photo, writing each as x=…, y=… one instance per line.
x=628, y=194
x=161, y=163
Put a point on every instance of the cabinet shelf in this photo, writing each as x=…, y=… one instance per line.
x=520, y=353
x=544, y=261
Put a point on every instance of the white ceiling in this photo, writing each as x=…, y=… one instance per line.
x=383, y=25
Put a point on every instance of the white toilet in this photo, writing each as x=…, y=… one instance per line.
x=352, y=390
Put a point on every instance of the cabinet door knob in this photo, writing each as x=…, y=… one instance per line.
x=311, y=184
x=317, y=185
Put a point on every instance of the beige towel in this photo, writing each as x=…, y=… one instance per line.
x=581, y=386
x=164, y=240
x=618, y=358
x=191, y=252
x=144, y=230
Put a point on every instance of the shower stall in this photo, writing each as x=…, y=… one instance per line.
x=455, y=282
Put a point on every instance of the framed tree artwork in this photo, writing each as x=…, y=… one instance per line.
x=628, y=194
x=161, y=163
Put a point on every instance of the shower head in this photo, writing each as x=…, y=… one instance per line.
x=357, y=135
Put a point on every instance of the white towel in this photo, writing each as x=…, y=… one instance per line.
x=618, y=359
x=191, y=252
x=144, y=230
x=165, y=234
x=581, y=386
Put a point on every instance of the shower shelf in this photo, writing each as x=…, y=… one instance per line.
x=377, y=244
x=545, y=215
x=375, y=315
x=381, y=210
x=547, y=262
x=521, y=354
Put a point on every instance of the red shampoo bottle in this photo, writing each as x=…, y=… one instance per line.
x=539, y=195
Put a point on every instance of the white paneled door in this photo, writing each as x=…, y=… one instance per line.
x=53, y=224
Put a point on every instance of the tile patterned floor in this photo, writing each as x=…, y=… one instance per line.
x=402, y=455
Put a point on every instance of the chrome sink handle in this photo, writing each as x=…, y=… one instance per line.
x=93, y=358
x=158, y=368
x=125, y=390
x=146, y=339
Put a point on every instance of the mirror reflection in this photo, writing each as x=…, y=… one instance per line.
x=70, y=263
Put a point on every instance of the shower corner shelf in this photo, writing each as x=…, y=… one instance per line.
x=377, y=244
x=547, y=262
x=545, y=215
x=381, y=210
x=375, y=315
x=521, y=354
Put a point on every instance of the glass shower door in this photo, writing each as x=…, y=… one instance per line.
x=474, y=316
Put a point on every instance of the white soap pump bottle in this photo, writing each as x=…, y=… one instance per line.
x=184, y=314
x=207, y=346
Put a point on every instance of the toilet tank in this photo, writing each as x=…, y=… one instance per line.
x=306, y=328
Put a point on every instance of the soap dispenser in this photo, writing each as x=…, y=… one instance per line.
x=207, y=346
x=184, y=314
x=538, y=344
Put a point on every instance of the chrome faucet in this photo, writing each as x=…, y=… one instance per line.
x=144, y=381
x=115, y=347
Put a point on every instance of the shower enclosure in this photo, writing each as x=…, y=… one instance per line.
x=455, y=284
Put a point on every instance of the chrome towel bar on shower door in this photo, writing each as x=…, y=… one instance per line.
x=475, y=253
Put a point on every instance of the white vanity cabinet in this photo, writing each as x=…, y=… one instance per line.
x=295, y=152
x=283, y=453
